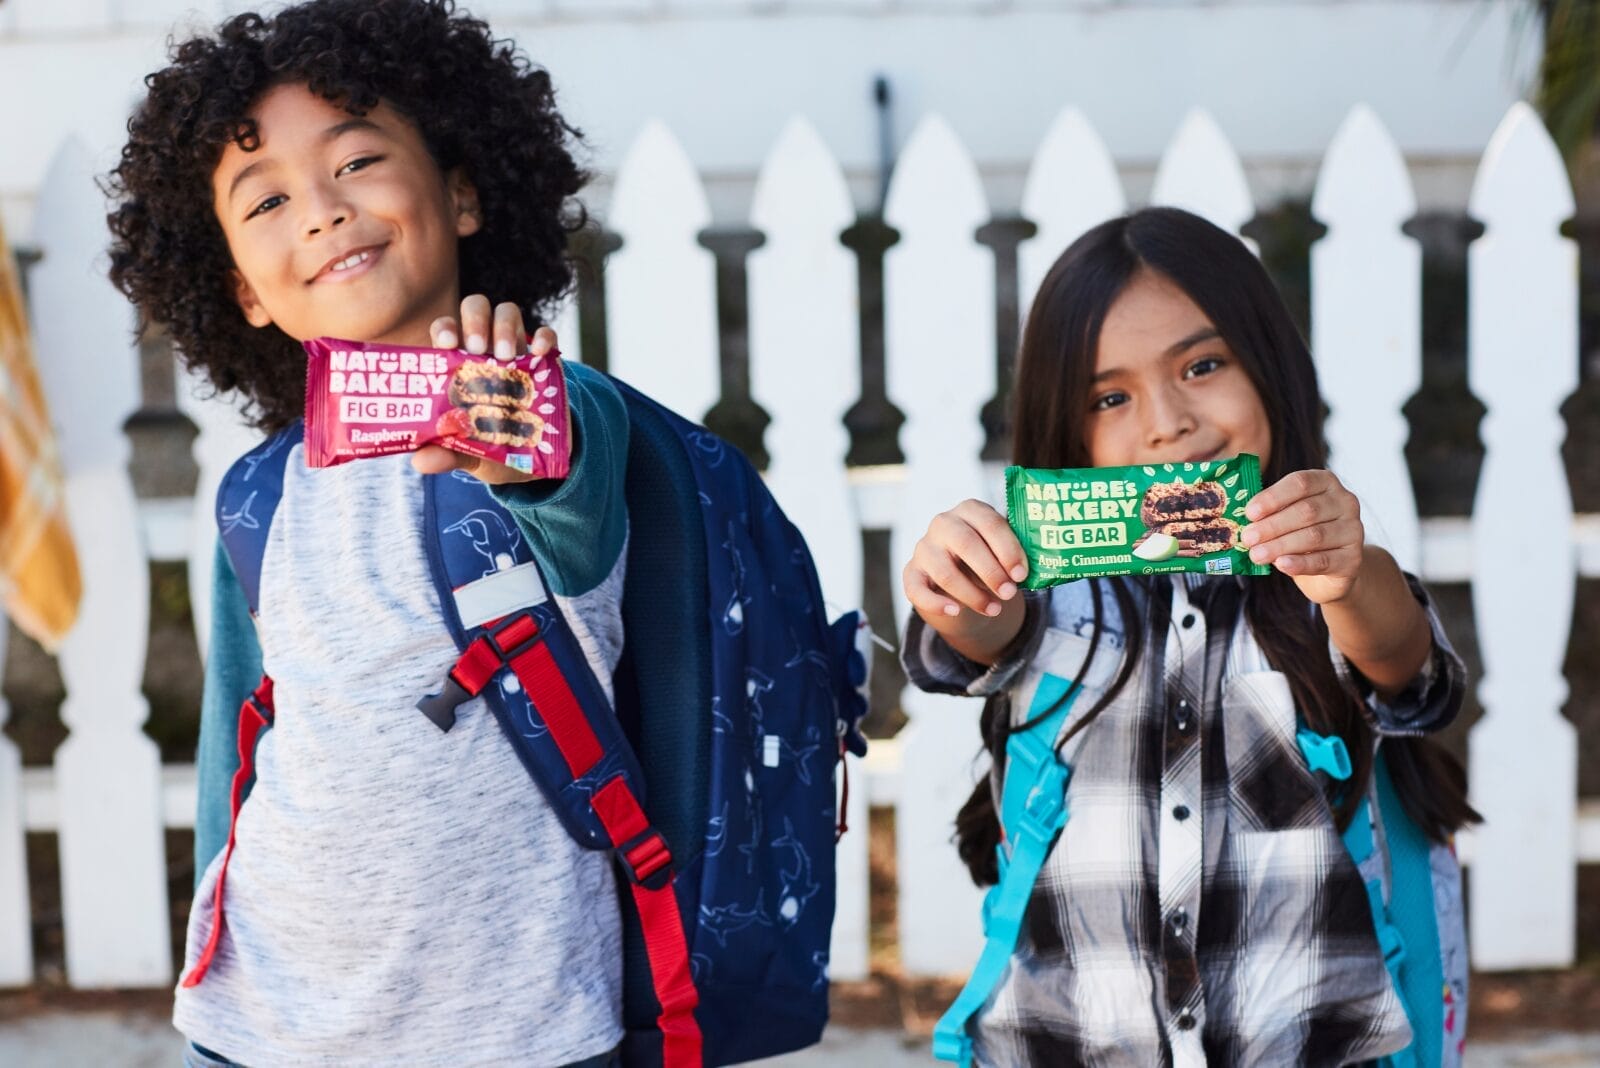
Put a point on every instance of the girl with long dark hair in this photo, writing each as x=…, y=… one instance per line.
x=1199, y=905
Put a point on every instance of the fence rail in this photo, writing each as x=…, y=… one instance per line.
x=108, y=798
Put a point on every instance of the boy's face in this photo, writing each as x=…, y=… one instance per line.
x=340, y=225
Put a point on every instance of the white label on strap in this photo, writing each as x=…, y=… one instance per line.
x=770, y=749
x=500, y=594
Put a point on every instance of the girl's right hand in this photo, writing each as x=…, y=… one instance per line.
x=962, y=577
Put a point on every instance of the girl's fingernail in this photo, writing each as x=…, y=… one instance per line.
x=1019, y=572
x=992, y=610
x=1258, y=554
x=504, y=350
x=1249, y=536
x=951, y=610
x=447, y=339
x=475, y=343
x=1006, y=591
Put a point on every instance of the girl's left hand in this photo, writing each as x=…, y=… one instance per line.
x=504, y=330
x=1308, y=526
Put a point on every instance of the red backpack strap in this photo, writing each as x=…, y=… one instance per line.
x=255, y=716
x=639, y=847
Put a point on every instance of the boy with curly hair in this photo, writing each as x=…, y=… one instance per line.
x=394, y=894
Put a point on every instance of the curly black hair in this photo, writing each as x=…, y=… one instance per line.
x=479, y=102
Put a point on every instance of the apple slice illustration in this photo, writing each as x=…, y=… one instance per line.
x=1157, y=547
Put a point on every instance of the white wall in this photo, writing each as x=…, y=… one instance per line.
x=1278, y=75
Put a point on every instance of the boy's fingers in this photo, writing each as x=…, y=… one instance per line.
x=475, y=323
x=436, y=460
x=508, y=335
x=445, y=332
x=544, y=339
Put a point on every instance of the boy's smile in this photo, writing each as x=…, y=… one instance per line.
x=340, y=224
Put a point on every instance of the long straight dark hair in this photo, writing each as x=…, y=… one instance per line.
x=1051, y=396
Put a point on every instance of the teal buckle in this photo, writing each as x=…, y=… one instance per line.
x=989, y=900
x=1041, y=815
x=1326, y=753
x=1390, y=941
x=948, y=1046
x=1393, y=945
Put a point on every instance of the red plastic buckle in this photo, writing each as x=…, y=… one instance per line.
x=496, y=637
x=646, y=860
x=441, y=707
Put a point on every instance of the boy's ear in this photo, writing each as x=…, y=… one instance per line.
x=255, y=313
x=464, y=201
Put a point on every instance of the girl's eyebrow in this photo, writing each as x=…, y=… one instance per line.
x=1177, y=348
x=1205, y=333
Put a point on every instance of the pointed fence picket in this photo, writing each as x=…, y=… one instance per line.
x=1522, y=363
x=663, y=323
x=1072, y=186
x=1200, y=172
x=104, y=795
x=938, y=304
x=1366, y=324
x=107, y=772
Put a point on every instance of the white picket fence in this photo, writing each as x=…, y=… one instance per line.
x=108, y=798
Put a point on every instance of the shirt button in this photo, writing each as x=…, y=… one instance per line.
x=1188, y=620
x=1180, y=812
x=1185, y=1021
x=1181, y=717
x=1179, y=920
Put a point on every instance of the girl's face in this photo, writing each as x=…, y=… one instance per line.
x=1166, y=387
x=341, y=225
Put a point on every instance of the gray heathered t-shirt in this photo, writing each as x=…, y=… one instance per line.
x=393, y=887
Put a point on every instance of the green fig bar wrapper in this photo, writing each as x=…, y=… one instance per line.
x=1153, y=519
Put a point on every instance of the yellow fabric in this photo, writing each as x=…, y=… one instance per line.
x=39, y=581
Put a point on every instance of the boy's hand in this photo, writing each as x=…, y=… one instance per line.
x=504, y=330
x=962, y=579
x=1309, y=527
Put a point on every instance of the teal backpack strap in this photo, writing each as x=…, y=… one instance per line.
x=1414, y=918
x=1033, y=810
x=1327, y=753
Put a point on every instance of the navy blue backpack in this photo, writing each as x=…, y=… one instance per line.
x=713, y=782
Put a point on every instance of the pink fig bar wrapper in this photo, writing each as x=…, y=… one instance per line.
x=365, y=400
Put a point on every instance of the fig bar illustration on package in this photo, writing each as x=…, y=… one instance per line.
x=1141, y=520
x=365, y=400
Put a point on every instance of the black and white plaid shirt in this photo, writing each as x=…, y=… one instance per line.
x=1200, y=906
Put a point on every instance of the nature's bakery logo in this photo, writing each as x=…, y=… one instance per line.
x=1079, y=523
x=1083, y=513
